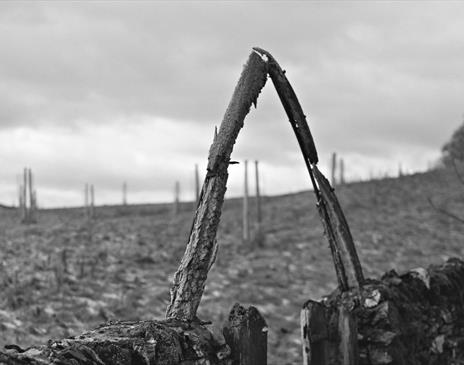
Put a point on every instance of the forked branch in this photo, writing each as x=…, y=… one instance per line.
x=190, y=278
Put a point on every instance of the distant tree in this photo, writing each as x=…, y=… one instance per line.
x=454, y=149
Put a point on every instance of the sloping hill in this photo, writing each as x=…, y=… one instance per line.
x=64, y=274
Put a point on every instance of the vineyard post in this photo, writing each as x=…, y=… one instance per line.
x=197, y=185
x=92, y=201
x=25, y=217
x=86, y=201
x=333, y=169
x=246, y=215
x=259, y=228
x=176, y=197
x=342, y=171
x=124, y=193
x=31, y=197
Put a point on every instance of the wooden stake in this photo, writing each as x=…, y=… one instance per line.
x=333, y=169
x=92, y=201
x=342, y=171
x=197, y=185
x=189, y=280
x=86, y=201
x=124, y=193
x=246, y=216
x=314, y=334
x=176, y=197
x=259, y=228
x=25, y=184
x=31, y=197
x=246, y=334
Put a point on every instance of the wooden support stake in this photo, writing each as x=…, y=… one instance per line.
x=189, y=280
x=348, y=332
x=86, y=201
x=333, y=169
x=32, y=218
x=246, y=334
x=92, y=201
x=259, y=228
x=176, y=197
x=25, y=184
x=314, y=334
x=246, y=215
x=124, y=193
x=197, y=185
x=341, y=163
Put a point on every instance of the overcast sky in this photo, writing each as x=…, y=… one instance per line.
x=112, y=91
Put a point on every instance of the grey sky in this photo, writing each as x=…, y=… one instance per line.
x=107, y=92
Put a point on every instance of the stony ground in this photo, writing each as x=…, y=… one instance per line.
x=65, y=274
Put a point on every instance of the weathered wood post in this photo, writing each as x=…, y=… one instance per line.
x=92, y=201
x=333, y=169
x=86, y=201
x=348, y=332
x=341, y=177
x=25, y=217
x=21, y=199
x=32, y=210
x=124, y=193
x=259, y=229
x=246, y=215
x=197, y=185
x=176, y=198
x=314, y=334
x=246, y=334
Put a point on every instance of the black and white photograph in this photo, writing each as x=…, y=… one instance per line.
x=231, y=182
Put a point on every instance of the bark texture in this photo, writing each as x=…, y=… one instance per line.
x=347, y=265
x=246, y=334
x=167, y=342
x=411, y=319
x=189, y=281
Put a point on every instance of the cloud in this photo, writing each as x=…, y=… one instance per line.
x=138, y=87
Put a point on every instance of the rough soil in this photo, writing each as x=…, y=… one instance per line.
x=65, y=275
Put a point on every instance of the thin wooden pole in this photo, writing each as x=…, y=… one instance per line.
x=25, y=184
x=92, y=201
x=31, y=196
x=341, y=171
x=246, y=215
x=176, y=197
x=259, y=228
x=197, y=185
x=333, y=169
x=124, y=193
x=86, y=201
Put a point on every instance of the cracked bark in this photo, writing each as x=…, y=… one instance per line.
x=189, y=280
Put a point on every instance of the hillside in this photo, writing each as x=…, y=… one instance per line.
x=65, y=275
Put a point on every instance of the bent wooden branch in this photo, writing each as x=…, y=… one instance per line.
x=189, y=280
x=346, y=261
